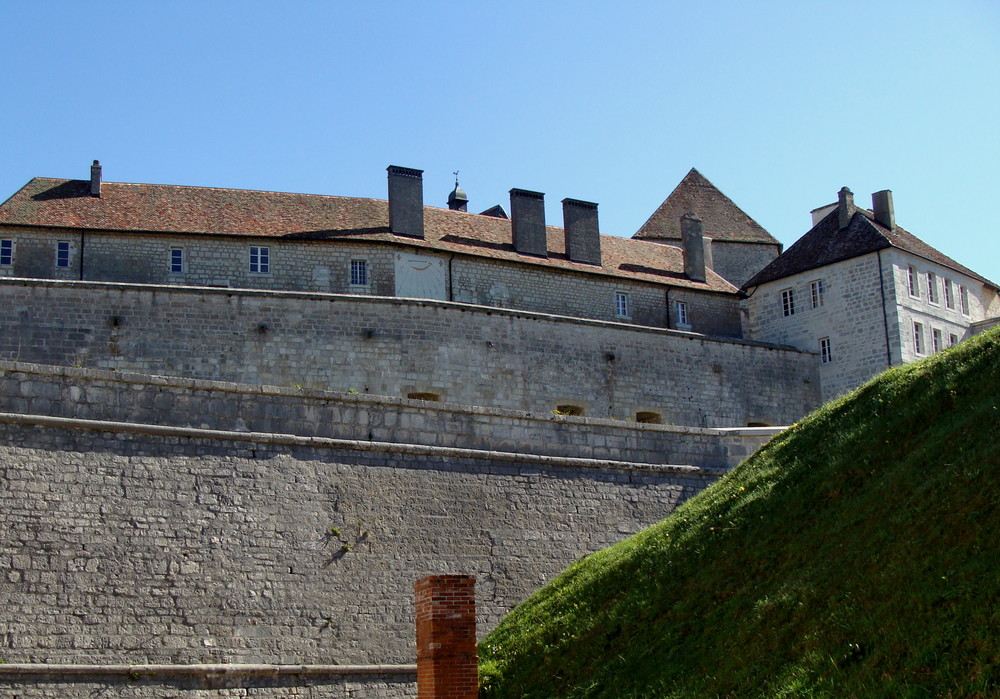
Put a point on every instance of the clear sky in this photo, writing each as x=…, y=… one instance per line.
x=778, y=103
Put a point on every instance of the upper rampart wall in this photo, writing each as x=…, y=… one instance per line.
x=461, y=353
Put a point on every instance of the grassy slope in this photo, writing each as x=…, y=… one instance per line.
x=858, y=554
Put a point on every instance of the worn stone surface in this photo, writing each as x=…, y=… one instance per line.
x=137, y=548
x=463, y=354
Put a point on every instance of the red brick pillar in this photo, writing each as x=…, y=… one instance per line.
x=446, y=637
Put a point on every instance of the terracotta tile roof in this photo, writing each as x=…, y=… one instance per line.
x=721, y=218
x=824, y=244
x=153, y=209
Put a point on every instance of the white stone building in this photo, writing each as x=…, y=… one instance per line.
x=865, y=295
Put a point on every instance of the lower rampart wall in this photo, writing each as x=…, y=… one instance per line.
x=127, y=544
x=201, y=681
x=464, y=354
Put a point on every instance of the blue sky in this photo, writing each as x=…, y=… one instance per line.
x=778, y=103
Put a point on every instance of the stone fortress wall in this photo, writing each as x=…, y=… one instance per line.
x=457, y=353
x=188, y=476
x=150, y=543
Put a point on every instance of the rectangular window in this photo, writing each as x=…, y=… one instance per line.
x=952, y=339
x=359, y=273
x=62, y=254
x=260, y=260
x=963, y=299
x=935, y=340
x=949, y=294
x=6, y=252
x=787, y=303
x=825, y=350
x=918, y=338
x=682, y=312
x=816, y=293
x=932, y=288
x=913, y=280
x=621, y=304
x=176, y=260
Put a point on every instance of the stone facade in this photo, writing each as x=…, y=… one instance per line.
x=867, y=314
x=738, y=262
x=320, y=267
x=456, y=353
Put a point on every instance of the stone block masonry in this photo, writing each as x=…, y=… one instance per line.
x=460, y=353
x=94, y=394
x=166, y=546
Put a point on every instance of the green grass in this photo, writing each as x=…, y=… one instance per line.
x=856, y=555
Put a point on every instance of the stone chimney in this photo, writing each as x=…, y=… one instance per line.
x=527, y=222
x=446, y=637
x=694, y=247
x=845, y=207
x=882, y=208
x=95, y=179
x=406, y=201
x=583, y=237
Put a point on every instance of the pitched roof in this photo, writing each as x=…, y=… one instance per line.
x=721, y=218
x=157, y=209
x=825, y=244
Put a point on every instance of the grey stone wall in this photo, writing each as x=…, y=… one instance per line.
x=38, y=681
x=324, y=266
x=738, y=262
x=91, y=394
x=463, y=354
x=168, y=545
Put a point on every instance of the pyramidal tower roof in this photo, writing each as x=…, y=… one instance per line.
x=721, y=218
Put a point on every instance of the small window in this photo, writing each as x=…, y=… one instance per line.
x=568, y=409
x=949, y=294
x=6, y=252
x=963, y=299
x=913, y=281
x=423, y=395
x=648, y=417
x=260, y=260
x=359, y=273
x=176, y=260
x=952, y=339
x=62, y=254
x=621, y=304
x=935, y=340
x=787, y=302
x=816, y=293
x=825, y=350
x=682, y=313
x=932, y=288
x=918, y=338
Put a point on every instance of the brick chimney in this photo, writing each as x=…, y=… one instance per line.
x=95, y=179
x=446, y=637
x=583, y=236
x=882, y=208
x=406, y=201
x=845, y=207
x=527, y=222
x=693, y=243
